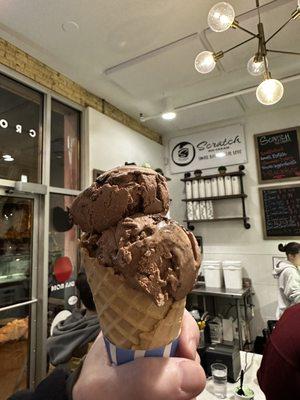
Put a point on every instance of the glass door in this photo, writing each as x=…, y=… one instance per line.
x=18, y=290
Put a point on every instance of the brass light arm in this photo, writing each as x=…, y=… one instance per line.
x=236, y=25
x=283, y=52
x=280, y=29
x=238, y=45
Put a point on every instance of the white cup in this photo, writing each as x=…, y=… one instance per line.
x=249, y=396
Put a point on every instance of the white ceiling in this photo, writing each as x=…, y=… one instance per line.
x=136, y=53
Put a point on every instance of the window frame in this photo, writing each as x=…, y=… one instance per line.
x=44, y=206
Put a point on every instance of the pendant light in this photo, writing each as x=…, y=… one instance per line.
x=221, y=17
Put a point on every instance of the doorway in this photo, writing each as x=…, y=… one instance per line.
x=18, y=290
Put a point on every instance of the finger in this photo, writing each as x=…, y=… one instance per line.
x=143, y=379
x=162, y=378
x=189, y=337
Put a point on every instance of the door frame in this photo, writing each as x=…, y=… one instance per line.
x=33, y=301
x=43, y=206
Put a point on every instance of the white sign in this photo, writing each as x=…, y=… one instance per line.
x=61, y=286
x=223, y=146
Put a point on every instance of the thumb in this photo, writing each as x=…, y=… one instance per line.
x=160, y=379
x=143, y=379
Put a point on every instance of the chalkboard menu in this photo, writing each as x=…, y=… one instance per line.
x=278, y=155
x=281, y=211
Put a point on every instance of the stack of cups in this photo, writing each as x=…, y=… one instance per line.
x=208, y=192
x=221, y=186
x=209, y=210
x=190, y=211
x=214, y=187
x=201, y=186
x=203, y=214
x=195, y=189
x=188, y=189
x=196, y=210
x=228, y=185
x=235, y=185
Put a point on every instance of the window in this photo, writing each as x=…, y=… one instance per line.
x=21, y=111
x=65, y=136
x=63, y=257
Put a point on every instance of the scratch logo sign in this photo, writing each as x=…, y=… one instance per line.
x=183, y=153
x=205, y=150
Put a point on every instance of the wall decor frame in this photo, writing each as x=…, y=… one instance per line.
x=280, y=207
x=278, y=155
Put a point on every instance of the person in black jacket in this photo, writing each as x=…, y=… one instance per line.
x=176, y=378
x=71, y=337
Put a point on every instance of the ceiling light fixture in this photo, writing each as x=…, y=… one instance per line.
x=220, y=18
x=169, y=115
x=168, y=112
x=256, y=66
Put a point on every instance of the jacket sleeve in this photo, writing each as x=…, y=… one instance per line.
x=276, y=377
x=53, y=387
x=291, y=285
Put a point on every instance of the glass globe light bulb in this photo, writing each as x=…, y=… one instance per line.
x=269, y=92
x=221, y=17
x=205, y=62
x=256, y=68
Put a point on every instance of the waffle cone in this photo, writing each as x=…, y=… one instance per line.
x=128, y=317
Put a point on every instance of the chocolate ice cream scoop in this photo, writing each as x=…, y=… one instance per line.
x=119, y=193
x=154, y=254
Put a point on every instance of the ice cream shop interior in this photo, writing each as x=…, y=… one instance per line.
x=149, y=191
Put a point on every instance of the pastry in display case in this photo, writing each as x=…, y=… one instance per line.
x=16, y=217
x=15, y=239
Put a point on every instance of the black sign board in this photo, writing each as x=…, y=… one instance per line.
x=278, y=155
x=281, y=211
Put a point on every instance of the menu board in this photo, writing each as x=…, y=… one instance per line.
x=281, y=211
x=278, y=155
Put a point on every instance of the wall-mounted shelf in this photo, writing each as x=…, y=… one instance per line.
x=241, y=196
x=232, y=196
x=191, y=227
x=198, y=177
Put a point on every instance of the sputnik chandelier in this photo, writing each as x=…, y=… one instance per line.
x=222, y=17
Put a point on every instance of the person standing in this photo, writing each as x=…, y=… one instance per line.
x=288, y=275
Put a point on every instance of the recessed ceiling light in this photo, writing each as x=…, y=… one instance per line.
x=8, y=159
x=70, y=26
x=169, y=115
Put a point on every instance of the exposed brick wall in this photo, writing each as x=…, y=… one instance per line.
x=21, y=62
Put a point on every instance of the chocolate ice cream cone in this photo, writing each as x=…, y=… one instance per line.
x=140, y=265
x=128, y=317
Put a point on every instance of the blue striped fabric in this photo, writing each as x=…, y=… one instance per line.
x=120, y=356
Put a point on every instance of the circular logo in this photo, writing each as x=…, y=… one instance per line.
x=62, y=269
x=183, y=153
x=72, y=300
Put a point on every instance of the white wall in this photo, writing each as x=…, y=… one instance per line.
x=111, y=144
x=230, y=240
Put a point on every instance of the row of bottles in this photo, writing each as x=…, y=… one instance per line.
x=213, y=187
